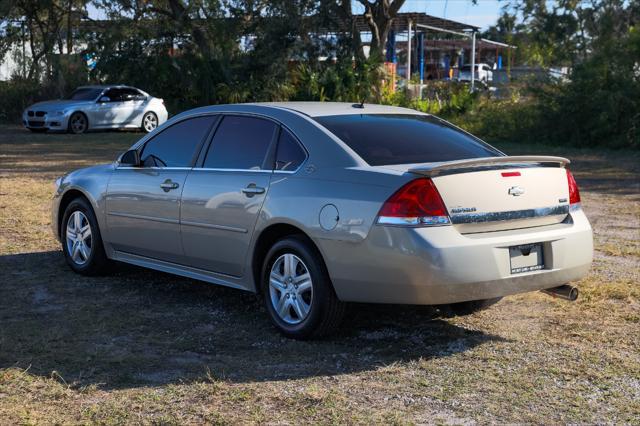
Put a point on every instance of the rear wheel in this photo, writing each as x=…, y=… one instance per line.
x=149, y=122
x=78, y=123
x=81, y=239
x=297, y=290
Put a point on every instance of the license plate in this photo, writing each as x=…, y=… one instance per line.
x=526, y=258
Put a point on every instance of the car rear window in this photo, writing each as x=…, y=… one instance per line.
x=382, y=139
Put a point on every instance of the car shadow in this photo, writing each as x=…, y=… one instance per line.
x=139, y=327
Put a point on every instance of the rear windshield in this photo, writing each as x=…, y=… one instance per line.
x=382, y=139
x=85, y=94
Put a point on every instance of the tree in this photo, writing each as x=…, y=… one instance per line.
x=379, y=15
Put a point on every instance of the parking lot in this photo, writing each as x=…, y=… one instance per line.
x=143, y=346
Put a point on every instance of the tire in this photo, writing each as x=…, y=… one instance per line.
x=78, y=123
x=91, y=260
x=38, y=130
x=313, y=297
x=149, y=122
x=467, y=308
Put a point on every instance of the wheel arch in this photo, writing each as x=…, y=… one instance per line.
x=67, y=198
x=269, y=236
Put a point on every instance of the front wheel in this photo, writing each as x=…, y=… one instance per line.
x=149, y=122
x=297, y=290
x=81, y=239
x=78, y=123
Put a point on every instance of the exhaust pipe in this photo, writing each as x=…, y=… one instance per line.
x=566, y=292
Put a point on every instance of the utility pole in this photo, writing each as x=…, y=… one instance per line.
x=409, y=55
x=473, y=60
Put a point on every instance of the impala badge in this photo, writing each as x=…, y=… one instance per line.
x=516, y=191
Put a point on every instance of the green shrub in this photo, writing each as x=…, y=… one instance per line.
x=16, y=95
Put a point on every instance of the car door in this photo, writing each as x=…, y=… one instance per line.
x=107, y=107
x=222, y=198
x=143, y=203
x=132, y=107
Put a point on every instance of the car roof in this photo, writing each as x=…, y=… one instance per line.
x=106, y=86
x=321, y=109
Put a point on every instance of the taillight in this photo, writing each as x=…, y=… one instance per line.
x=417, y=203
x=574, y=192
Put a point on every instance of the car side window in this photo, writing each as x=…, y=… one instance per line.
x=241, y=142
x=131, y=95
x=114, y=95
x=290, y=154
x=176, y=146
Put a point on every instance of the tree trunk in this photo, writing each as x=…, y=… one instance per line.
x=379, y=16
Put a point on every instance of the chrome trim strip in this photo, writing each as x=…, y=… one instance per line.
x=213, y=226
x=142, y=217
x=118, y=166
x=509, y=215
x=210, y=169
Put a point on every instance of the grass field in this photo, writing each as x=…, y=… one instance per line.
x=142, y=346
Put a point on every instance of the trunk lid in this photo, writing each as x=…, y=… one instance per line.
x=501, y=193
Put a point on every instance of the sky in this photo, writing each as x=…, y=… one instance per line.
x=483, y=14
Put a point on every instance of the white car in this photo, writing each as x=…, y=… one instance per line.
x=483, y=73
x=97, y=107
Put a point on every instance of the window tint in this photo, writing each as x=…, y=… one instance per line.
x=131, y=95
x=176, y=146
x=290, y=154
x=240, y=143
x=115, y=95
x=404, y=139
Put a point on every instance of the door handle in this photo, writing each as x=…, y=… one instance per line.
x=168, y=185
x=252, y=190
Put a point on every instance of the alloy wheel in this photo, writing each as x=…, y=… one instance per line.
x=150, y=122
x=78, y=123
x=78, y=237
x=290, y=289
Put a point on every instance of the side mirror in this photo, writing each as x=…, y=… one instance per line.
x=104, y=99
x=130, y=158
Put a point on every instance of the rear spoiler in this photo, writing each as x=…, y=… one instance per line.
x=434, y=169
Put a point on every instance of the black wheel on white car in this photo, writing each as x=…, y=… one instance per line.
x=297, y=290
x=78, y=123
x=149, y=122
x=81, y=239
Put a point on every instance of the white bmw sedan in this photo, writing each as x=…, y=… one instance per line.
x=97, y=107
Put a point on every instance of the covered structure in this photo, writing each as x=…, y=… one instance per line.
x=431, y=46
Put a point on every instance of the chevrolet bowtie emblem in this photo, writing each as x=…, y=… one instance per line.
x=516, y=191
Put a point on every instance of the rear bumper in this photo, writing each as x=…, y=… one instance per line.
x=439, y=265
